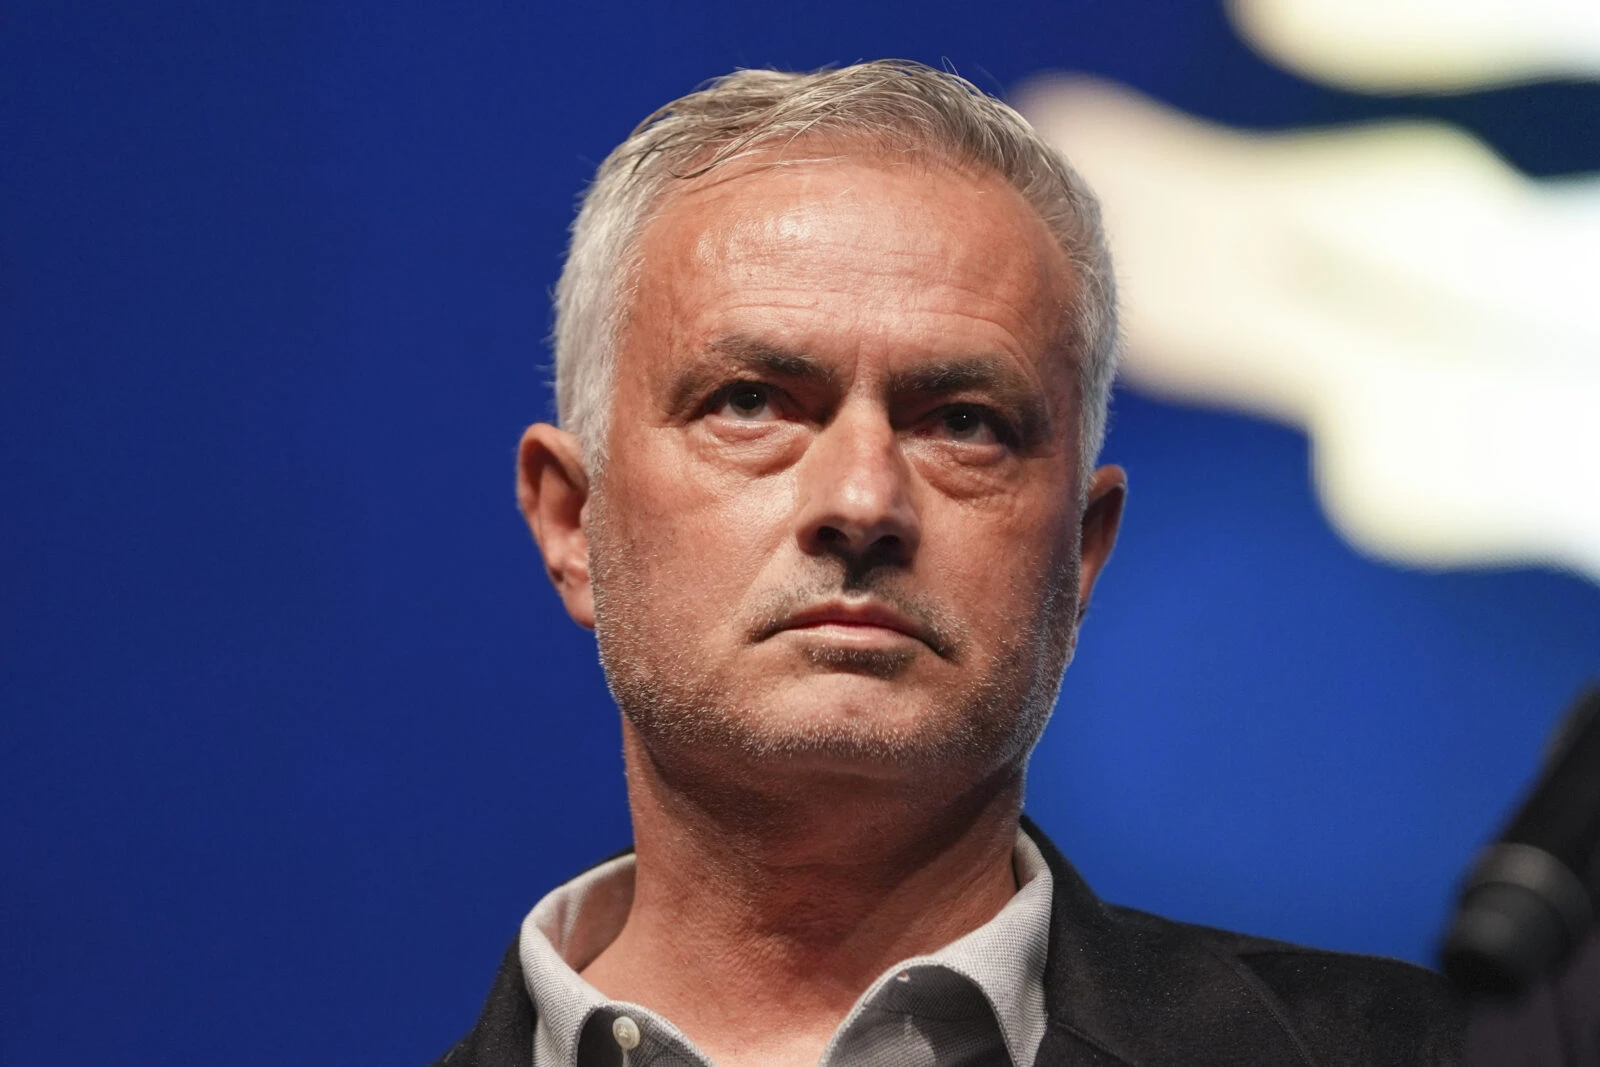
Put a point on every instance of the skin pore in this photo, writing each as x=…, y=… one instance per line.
x=835, y=561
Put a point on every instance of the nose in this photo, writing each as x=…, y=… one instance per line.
x=855, y=493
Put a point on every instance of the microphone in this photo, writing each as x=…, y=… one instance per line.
x=1534, y=893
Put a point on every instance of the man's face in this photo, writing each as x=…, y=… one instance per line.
x=839, y=523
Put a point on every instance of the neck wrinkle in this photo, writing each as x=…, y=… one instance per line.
x=780, y=894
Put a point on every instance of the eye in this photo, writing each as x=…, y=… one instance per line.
x=971, y=425
x=746, y=402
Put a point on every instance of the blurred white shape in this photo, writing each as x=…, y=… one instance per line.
x=1428, y=316
x=1428, y=45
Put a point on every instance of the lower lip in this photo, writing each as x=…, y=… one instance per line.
x=850, y=633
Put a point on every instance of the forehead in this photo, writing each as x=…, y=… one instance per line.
x=853, y=254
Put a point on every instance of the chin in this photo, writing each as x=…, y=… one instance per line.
x=869, y=713
x=860, y=723
x=884, y=664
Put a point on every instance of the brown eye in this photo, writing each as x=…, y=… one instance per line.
x=747, y=401
x=967, y=424
x=962, y=423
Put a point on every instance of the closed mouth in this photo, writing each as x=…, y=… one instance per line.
x=864, y=616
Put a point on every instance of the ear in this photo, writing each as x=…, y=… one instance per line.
x=552, y=489
x=1102, y=516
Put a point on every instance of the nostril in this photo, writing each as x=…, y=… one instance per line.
x=831, y=537
x=890, y=550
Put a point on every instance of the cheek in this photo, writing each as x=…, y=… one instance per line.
x=698, y=536
x=1003, y=565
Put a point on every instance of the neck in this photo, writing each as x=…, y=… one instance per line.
x=787, y=899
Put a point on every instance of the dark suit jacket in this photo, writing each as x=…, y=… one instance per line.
x=1123, y=988
x=1555, y=1024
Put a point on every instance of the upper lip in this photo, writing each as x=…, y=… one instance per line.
x=864, y=613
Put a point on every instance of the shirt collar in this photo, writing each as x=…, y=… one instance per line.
x=1005, y=956
x=561, y=936
x=573, y=924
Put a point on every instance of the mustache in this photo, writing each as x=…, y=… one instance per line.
x=937, y=628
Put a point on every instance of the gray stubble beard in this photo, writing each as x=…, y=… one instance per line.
x=675, y=707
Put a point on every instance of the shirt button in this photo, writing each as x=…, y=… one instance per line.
x=626, y=1031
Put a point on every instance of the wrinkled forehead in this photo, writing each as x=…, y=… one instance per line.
x=900, y=234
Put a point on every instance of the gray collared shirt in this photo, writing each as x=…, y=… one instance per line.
x=978, y=1000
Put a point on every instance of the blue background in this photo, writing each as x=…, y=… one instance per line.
x=294, y=730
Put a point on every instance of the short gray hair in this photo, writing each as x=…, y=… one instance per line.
x=897, y=105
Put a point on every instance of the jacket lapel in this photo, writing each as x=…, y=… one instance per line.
x=1122, y=989
x=1126, y=988
x=503, y=1034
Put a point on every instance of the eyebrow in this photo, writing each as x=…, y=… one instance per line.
x=772, y=359
x=988, y=374
x=739, y=352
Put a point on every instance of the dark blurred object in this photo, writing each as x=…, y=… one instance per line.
x=1556, y=1024
x=1531, y=898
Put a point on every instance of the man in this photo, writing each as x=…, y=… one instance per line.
x=833, y=352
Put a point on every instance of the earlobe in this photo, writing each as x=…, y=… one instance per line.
x=1102, y=517
x=552, y=489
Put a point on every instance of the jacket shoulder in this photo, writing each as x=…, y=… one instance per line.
x=503, y=1035
x=1142, y=989
x=1348, y=1008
